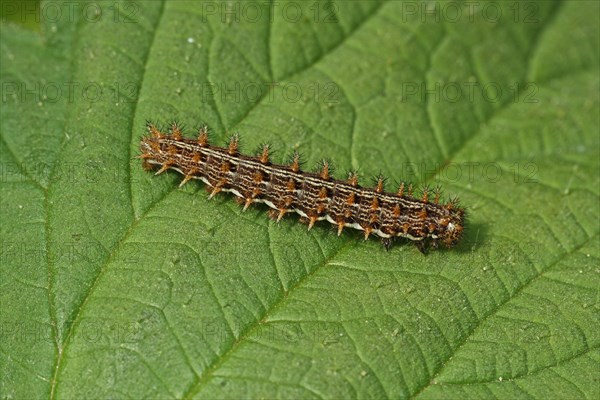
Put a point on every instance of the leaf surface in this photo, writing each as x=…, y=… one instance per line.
x=116, y=283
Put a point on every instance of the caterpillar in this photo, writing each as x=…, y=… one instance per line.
x=315, y=196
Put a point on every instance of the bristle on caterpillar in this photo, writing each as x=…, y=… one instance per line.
x=315, y=196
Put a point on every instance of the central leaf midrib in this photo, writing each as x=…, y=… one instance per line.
x=61, y=351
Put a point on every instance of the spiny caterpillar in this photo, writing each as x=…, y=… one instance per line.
x=314, y=196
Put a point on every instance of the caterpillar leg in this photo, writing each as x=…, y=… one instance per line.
x=387, y=243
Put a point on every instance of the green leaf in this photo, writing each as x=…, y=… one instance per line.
x=119, y=284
